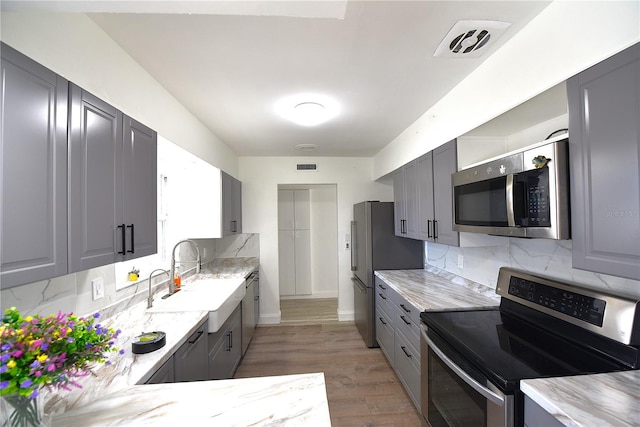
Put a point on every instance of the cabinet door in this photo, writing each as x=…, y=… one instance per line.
x=302, y=244
x=139, y=191
x=231, y=205
x=286, y=262
x=445, y=163
x=96, y=225
x=286, y=206
x=302, y=209
x=248, y=317
x=399, y=202
x=411, y=199
x=604, y=129
x=33, y=162
x=425, y=197
x=163, y=375
x=190, y=360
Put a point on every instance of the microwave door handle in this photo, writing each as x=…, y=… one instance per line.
x=511, y=220
x=354, y=254
x=495, y=398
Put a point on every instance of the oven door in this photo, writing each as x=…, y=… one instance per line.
x=454, y=394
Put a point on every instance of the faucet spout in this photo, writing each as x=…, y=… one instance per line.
x=172, y=274
x=150, y=298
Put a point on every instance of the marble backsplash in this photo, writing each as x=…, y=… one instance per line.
x=552, y=258
x=73, y=292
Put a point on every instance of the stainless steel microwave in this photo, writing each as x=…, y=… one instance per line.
x=522, y=194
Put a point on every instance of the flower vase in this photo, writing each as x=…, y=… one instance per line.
x=21, y=411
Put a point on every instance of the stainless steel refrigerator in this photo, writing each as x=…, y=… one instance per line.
x=374, y=246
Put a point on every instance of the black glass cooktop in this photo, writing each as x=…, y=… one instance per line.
x=507, y=349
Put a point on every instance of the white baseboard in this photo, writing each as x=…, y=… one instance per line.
x=269, y=319
x=345, y=316
x=317, y=295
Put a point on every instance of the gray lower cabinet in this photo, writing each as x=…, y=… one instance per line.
x=536, y=416
x=231, y=205
x=398, y=334
x=33, y=171
x=191, y=361
x=250, y=310
x=423, y=199
x=164, y=375
x=225, y=347
x=604, y=149
x=112, y=184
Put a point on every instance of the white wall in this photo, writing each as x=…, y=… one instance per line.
x=324, y=241
x=260, y=177
x=564, y=39
x=73, y=46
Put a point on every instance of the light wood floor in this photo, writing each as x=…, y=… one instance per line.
x=307, y=311
x=362, y=388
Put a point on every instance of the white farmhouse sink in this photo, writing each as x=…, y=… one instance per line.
x=217, y=296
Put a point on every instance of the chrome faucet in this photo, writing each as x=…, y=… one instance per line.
x=172, y=274
x=150, y=299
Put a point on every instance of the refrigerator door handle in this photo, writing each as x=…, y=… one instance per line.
x=354, y=247
x=361, y=287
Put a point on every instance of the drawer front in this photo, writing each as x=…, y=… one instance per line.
x=405, y=324
x=409, y=311
x=407, y=365
x=384, y=303
x=385, y=335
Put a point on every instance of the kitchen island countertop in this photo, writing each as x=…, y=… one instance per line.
x=589, y=400
x=433, y=289
x=288, y=400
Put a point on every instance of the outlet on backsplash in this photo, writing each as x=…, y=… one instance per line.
x=97, y=285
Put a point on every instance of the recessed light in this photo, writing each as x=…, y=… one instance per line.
x=307, y=109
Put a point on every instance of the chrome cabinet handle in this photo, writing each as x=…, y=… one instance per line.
x=354, y=250
x=435, y=229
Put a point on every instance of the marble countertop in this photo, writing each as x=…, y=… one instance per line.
x=602, y=400
x=433, y=289
x=114, y=394
x=225, y=268
x=288, y=400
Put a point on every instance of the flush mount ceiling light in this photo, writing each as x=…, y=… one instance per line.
x=307, y=110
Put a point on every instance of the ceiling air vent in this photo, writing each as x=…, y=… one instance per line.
x=470, y=39
x=307, y=167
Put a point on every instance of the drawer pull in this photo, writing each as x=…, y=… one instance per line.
x=405, y=351
x=382, y=296
x=200, y=333
x=405, y=308
x=405, y=320
x=382, y=287
x=382, y=320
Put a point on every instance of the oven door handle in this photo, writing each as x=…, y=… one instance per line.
x=498, y=400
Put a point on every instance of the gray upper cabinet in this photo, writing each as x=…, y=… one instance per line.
x=231, y=205
x=95, y=203
x=139, y=189
x=423, y=197
x=112, y=184
x=399, y=202
x=33, y=175
x=604, y=147
x=445, y=163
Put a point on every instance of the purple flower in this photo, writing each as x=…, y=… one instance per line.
x=35, y=364
x=3, y=369
x=44, y=346
x=96, y=315
x=4, y=384
x=4, y=357
x=121, y=351
x=26, y=383
x=34, y=394
x=5, y=347
x=88, y=345
x=71, y=339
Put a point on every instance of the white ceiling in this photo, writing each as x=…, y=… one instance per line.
x=231, y=63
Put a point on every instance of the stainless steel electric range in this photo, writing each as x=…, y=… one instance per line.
x=473, y=360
